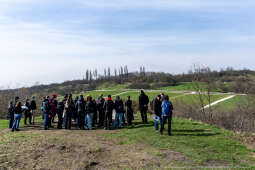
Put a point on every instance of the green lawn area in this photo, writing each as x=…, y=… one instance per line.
x=184, y=86
x=4, y=124
x=188, y=99
x=108, y=86
x=199, y=142
x=234, y=103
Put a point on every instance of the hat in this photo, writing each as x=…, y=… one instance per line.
x=89, y=95
x=54, y=96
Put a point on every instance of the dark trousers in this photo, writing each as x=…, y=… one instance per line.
x=129, y=118
x=29, y=116
x=169, y=120
x=108, y=120
x=81, y=120
x=68, y=121
x=94, y=119
x=60, y=119
x=11, y=121
x=143, y=111
x=101, y=117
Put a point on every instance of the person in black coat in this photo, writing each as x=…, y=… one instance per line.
x=33, y=109
x=80, y=108
x=100, y=109
x=11, y=109
x=157, y=110
x=27, y=113
x=17, y=116
x=143, y=106
x=60, y=110
x=108, y=108
x=119, y=108
x=129, y=111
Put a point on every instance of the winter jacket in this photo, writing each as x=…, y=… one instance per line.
x=143, y=100
x=157, y=107
x=167, y=108
x=90, y=107
x=119, y=106
x=100, y=104
x=45, y=106
x=108, y=105
x=33, y=105
x=80, y=105
x=11, y=110
x=18, y=110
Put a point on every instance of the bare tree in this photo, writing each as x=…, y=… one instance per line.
x=109, y=73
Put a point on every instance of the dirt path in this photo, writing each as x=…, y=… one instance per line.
x=75, y=149
x=219, y=101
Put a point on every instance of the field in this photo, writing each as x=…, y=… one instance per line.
x=193, y=144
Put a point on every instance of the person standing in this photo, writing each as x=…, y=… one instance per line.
x=80, y=108
x=157, y=111
x=46, y=112
x=119, y=108
x=143, y=106
x=68, y=113
x=167, y=113
x=108, y=108
x=129, y=111
x=27, y=112
x=17, y=116
x=60, y=110
x=100, y=109
x=33, y=109
x=11, y=109
x=90, y=108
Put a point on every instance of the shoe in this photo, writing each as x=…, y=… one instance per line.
x=17, y=129
x=169, y=134
x=12, y=130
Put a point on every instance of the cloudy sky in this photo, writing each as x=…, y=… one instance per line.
x=55, y=40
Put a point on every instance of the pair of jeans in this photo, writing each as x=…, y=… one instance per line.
x=45, y=120
x=89, y=117
x=16, y=122
x=157, y=122
x=165, y=118
x=118, y=117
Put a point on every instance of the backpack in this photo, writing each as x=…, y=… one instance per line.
x=166, y=108
x=45, y=106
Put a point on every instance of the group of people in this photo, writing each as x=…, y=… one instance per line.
x=15, y=110
x=88, y=113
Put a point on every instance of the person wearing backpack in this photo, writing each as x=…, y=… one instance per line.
x=60, y=110
x=89, y=108
x=143, y=106
x=27, y=113
x=157, y=111
x=46, y=112
x=129, y=111
x=80, y=108
x=100, y=109
x=17, y=116
x=10, y=116
x=119, y=108
x=108, y=108
x=33, y=109
x=167, y=113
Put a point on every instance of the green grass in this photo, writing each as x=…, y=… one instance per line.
x=185, y=86
x=109, y=86
x=188, y=99
x=234, y=103
x=4, y=124
x=200, y=142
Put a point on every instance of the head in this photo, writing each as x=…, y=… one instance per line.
x=16, y=98
x=89, y=97
x=18, y=104
x=54, y=96
x=27, y=100
x=128, y=97
x=81, y=97
x=158, y=97
x=66, y=96
x=48, y=97
x=101, y=96
x=142, y=91
x=33, y=97
x=117, y=98
x=166, y=98
x=10, y=103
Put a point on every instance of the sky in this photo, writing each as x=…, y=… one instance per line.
x=50, y=41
